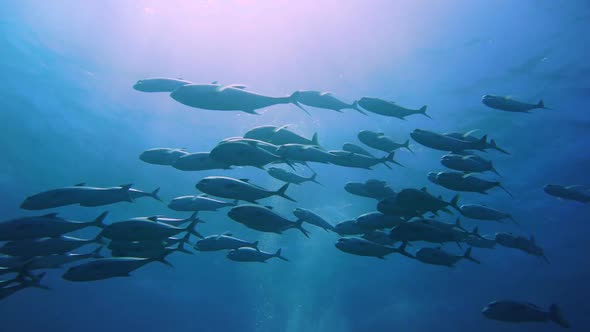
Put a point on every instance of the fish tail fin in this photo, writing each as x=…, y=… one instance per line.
x=389, y=158
x=475, y=232
x=314, y=139
x=497, y=148
x=422, y=111
x=483, y=141
x=458, y=225
x=289, y=163
x=162, y=258
x=98, y=222
x=299, y=226
x=455, y=203
x=181, y=248
x=254, y=245
x=513, y=220
x=278, y=255
x=293, y=100
x=35, y=281
x=191, y=227
x=154, y=194
x=314, y=179
x=494, y=170
x=541, y=104
x=402, y=250
x=498, y=184
x=406, y=145
x=99, y=239
x=356, y=107
x=282, y=192
x=468, y=256
x=96, y=253
x=557, y=316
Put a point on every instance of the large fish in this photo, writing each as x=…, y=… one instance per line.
x=197, y=203
x=227, y=98
x=159, y=84
x=199, y=161
x=289, y=177
x=279, y=136
x=389, y=108
x=106, y=268
x=324, y=100
x=146, y=229
x=223, y=241
x=312, y=218
x=363, y=247
x=510, y=105
x=379, y=141
x=49, y=225
x=437, y=256
x=464, y=182
x=264, y=219
x=238, y=189
x=447, y=143
x=85, y=196
x=468, y=163
x=577, y=193
x=162, y=156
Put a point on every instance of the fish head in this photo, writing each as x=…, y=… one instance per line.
x=233, y=254
x=420, y=135
x=299, y=213
x=140, y=86
x=488, y=99
x=433, y=177
x=204, y=184
x=28, y=203
x=553, y=189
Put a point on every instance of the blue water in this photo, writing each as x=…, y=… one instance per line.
x=68, y=115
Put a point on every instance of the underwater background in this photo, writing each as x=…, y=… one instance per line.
x=68, y=114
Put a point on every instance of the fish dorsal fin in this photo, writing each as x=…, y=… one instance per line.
x=236, y=86
x=228, y=233
x=203, y=195
x=578, y=187
x=277, y=129
x=50, y=215
x=81, y=184
x=152, y=218
x=269, y=207
x=244, y=180
x=126, y=186
x=215, y=82
x=470, y=132
x=424, y=189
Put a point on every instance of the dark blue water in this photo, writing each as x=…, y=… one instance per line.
x=68, y=115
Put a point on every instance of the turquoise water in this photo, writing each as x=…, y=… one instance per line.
x=68, y=114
